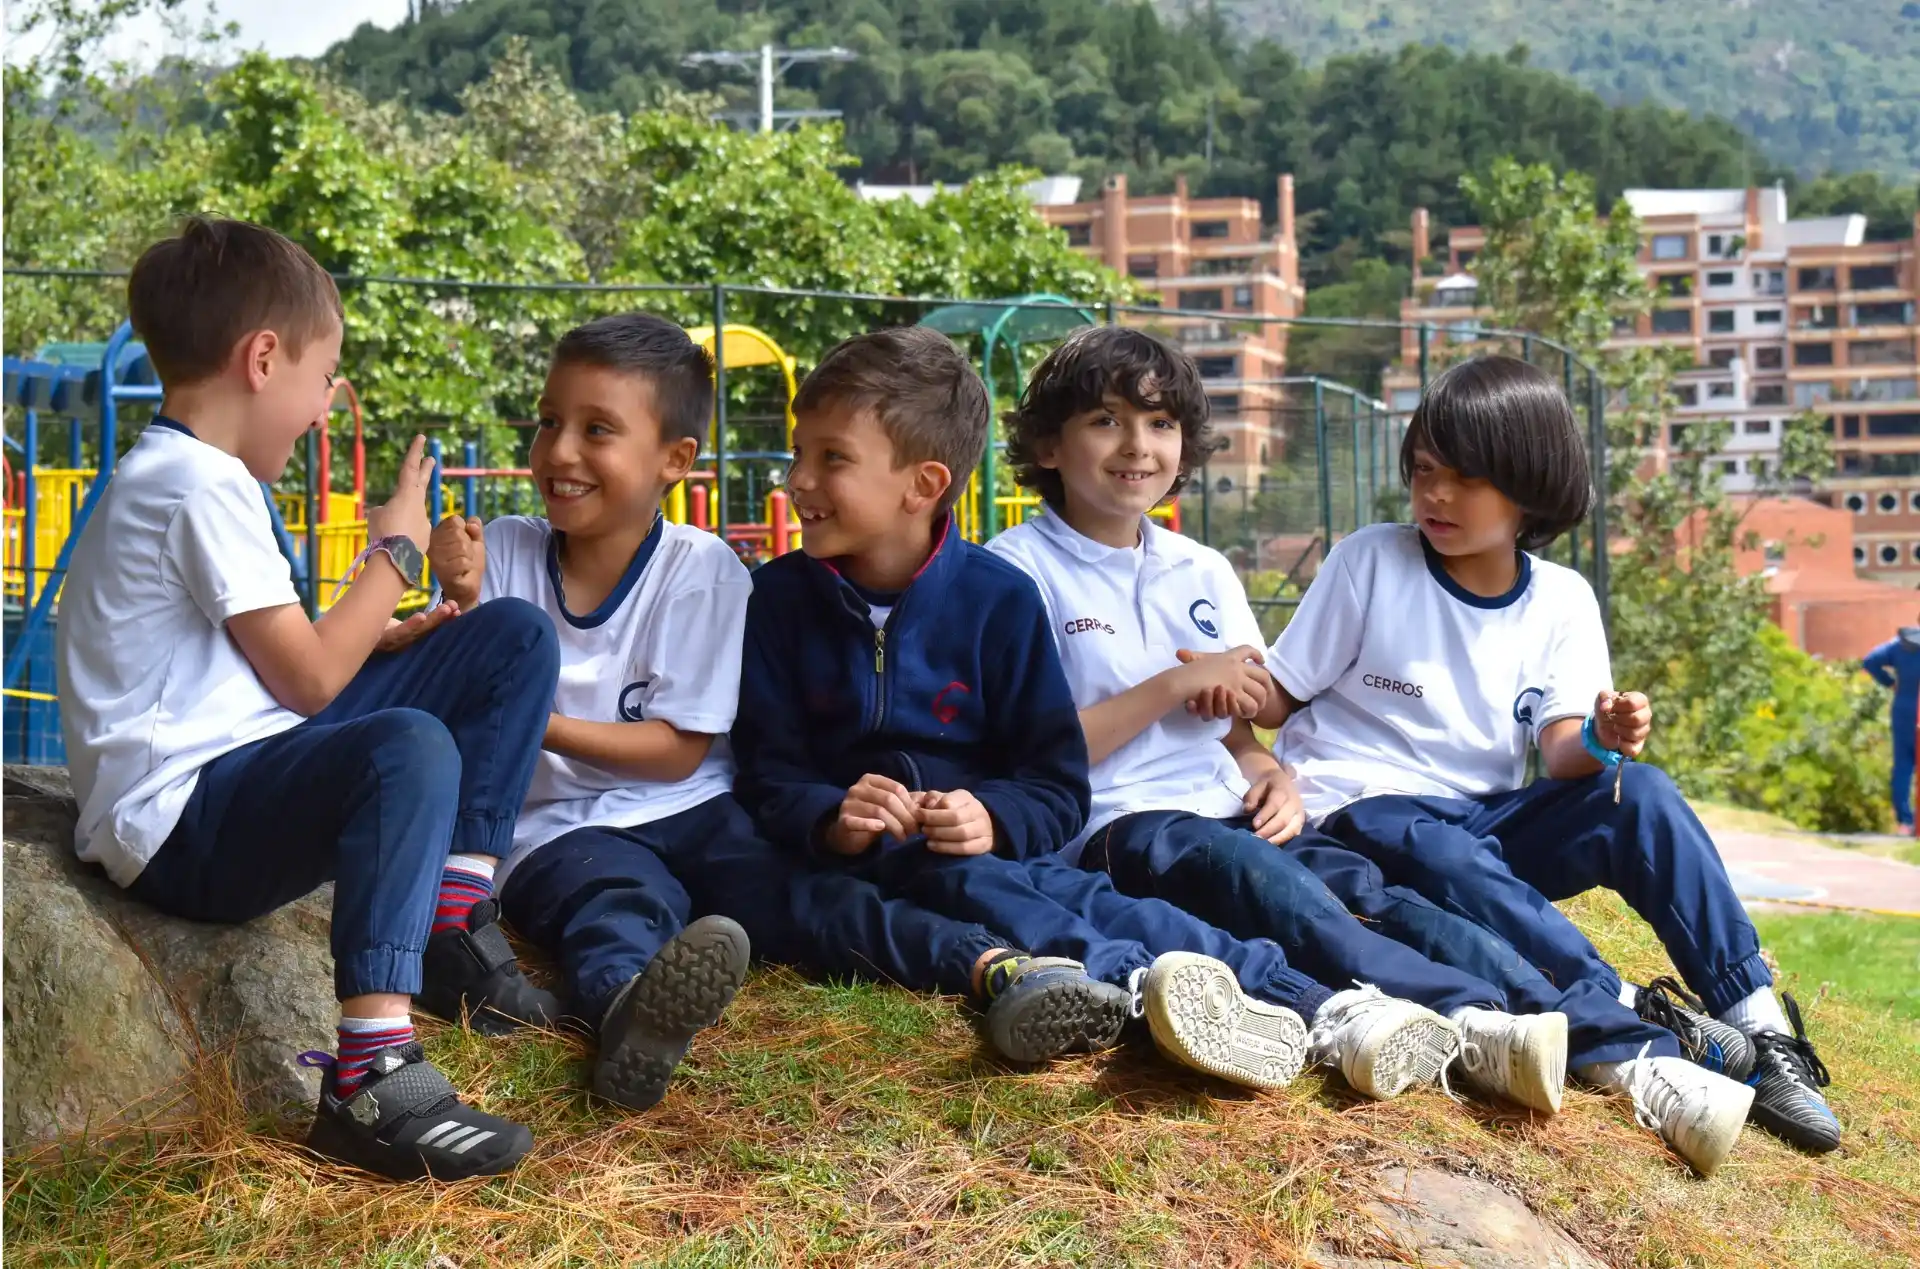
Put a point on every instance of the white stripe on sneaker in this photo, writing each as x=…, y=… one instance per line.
x=471, y=1141
x=446, y=1142
x=438, y=1131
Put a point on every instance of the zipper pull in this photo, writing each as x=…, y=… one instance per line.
x=879, y=652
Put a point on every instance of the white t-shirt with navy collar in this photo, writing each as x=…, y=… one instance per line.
x=664, y=644
x=1416, y=685
x=1119, y=615
x=152, y=688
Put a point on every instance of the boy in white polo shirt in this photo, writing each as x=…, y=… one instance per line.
x=230, y=755
x=1111, y=424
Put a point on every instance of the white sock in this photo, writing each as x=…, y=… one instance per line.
x=1611, y=1076
x=1628, y=994
x=473, y=864
x=1759, y=1012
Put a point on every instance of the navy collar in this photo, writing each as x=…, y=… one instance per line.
x=1436, y=565
x=171, y=425
x=615, y=597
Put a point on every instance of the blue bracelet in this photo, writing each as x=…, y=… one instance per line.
x=1589, y=737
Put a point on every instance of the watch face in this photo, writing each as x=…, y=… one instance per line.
x=407, y=556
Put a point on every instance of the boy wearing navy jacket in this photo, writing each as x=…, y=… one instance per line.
x=904, y=720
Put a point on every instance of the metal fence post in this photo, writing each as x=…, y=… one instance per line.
x=1326, y=472
x=720, y=408
x=1426, y=339
x=1597, y=422
x=313, y=524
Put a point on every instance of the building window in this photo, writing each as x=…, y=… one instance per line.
x=1770, y=281
x=1813, y=354
x=1719, y=391
x=1673, y=321
x=1243, y=297
x=1880, y=352
x=1766, y=317
x=1893, y=425
x=1886, y=504
x=1849, y=426
x=1720, y=321
x=1913, y=504
x=1856, y=503
x=1915, y=550
x=1889, y=313
x=1873, y=277
x=1669, y=246
x=1820, y=317
x=1757, y=427
x=1224, y=405
x=1769, y=394
x=1210, y=229
x=1206, y=301
x=1819, y=278
x=1901, y=389
x=1686, y=394
x=1143, y=266
x=1623, y=327
x=1676, y=286
x=1721, y=358
x=1773, y=358
x=1809, y=394
x=1730, y=467
x=1859, y=555
x=1080, y=235
x=1717, y=245
x=1775, y=553
x=1218, y=367
x=1889, y=553
x=1723, y=277
x=1677, y=434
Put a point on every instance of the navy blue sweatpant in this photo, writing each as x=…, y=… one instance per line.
x=604, y=900
x=1503, y=859
x=427, y=751
x=1052, y=908
x=1223, y=872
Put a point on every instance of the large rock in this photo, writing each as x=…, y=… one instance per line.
x=1442, y=1220
x=110, y=1005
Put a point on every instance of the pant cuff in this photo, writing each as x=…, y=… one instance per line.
x=954, y=976
x=1294, y=990
x=483, y=833
x=382, y=970
x=1740, y=981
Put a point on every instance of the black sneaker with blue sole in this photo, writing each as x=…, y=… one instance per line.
x=1705, y=1040
x=1787, y=1078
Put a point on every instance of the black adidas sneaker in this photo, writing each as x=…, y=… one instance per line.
x=1042, y=1007
x=1787, y=1078
x=405, y=1122
x=472, y=973
x=1705, y=1040
x=651, y=1024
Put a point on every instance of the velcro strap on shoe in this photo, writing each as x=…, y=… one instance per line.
x=490, y=947
x=413, y=1088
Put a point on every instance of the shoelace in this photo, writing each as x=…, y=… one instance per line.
x=1137, y=991
x=1659, y=1003
x=1793, y=1056
x=1645, y=1081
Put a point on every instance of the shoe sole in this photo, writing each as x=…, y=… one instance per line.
x=1078, y=1015
x=683, y=991
x=1711, y=1145
x=1410, y=1047
x=1812, y=1138
x=1539, y=1068
x=338, y=1144
x=1200, y=1018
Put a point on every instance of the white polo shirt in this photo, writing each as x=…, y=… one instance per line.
x=664, y=644
x=1418, y=686
x=152, y=688
x=1119, y=616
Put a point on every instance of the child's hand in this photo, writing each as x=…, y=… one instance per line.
x=873, y=806
x=458, y=554
x=399, y=634
x=405, y=514
x=956, y=824
x=1223, y=684
x=1622, y=721
x=1275, y=806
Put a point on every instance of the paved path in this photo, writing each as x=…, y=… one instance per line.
x=1801, y=869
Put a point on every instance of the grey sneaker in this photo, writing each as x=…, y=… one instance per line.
x=651, y=1024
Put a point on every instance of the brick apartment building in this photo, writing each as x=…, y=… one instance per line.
x=1777, y=316
x=1208, y=255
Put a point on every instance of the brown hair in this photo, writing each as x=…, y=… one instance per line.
x=926, y=396
x=194, y=295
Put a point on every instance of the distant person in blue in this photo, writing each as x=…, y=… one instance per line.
x=1896, y=664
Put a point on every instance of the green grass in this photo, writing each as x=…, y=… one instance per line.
x=844, y=1126
x=1871, y=961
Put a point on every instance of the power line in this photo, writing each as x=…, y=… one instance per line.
x=765, y=60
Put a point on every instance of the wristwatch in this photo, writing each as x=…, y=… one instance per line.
x=405, y=556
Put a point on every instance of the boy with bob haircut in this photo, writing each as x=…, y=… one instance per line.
x=230, y=755
x=631, y=861
x=1189, y=806
x=904, y=720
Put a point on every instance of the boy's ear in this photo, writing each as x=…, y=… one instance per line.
x=256, y=357
x=931, y=481
x=681, y=456
x=1046, y=451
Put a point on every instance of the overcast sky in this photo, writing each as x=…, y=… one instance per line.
x=284, y=28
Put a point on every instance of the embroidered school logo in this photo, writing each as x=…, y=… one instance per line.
x=1079, y=625
x=1526, y=704
x=630, y=702
x=1204, y=624
x=946, y=706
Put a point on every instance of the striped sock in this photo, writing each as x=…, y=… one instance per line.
x=467, y=880
x=360, y=1039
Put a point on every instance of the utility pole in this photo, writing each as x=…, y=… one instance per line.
x=771, y=63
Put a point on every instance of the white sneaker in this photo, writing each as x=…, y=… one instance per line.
x=1523, y=1059
x=1381, y=1044
x=1696, y=1111
x=1200, y=1018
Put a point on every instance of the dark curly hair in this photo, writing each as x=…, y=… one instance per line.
x=1093, y=364
x=1500, y=420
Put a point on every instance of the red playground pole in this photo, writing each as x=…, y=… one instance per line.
x=697, y=507
x=779, y=529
